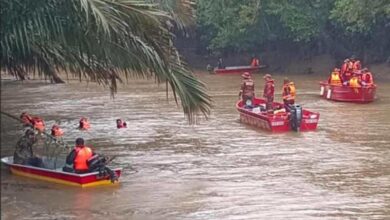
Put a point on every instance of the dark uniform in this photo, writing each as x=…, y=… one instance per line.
x=268, y=94
x=24, y=153
x=247, y=91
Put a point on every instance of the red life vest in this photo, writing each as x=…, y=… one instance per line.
x=255, y=62
x=82, y=155
x=356, y=65
x=367, y=78
x=350, y=65
x=343, y=68
x=84, y=124
x=121, y=124
x=269, y=89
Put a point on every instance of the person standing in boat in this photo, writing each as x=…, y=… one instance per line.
x=347, y=71
x=255, y=61
x=220, y=64
x=24, y=153
x=288, y=94
x=247, y=92
x=76, y=161
x=268, y=94
x=356, y=64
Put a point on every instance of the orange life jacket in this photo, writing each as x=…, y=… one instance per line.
x=289, y=91
x=354, y=82
x=335, y=79
x=82, y=155
x=255, y=62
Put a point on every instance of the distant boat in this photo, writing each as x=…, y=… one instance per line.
x=298, y=120
x=56, y=175
x=238, y=69
x=340, y=93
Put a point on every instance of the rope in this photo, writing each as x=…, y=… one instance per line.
x=49, y=136
x=52, y=140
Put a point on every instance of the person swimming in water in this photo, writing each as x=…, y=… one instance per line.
x=120, y=124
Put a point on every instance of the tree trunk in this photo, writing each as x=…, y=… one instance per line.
x=56, y=78
x=21, y=75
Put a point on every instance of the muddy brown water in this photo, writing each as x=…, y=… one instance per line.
x=218, y=169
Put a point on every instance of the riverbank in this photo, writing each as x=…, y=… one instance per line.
x=276, y=64
x=285, y=64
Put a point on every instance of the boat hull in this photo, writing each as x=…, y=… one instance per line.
x=58, y=176
x=238, y=69
x=347, y=94
x=275, y=122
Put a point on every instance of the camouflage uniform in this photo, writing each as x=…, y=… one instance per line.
x=24, y=152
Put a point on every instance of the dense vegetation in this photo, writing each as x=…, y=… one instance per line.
x=337, y=27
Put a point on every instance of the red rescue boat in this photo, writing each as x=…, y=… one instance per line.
x=56, y=175
x=238, y=69
x=363, y=94
x=277, y=122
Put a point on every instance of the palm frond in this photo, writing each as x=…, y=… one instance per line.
x=97, y=40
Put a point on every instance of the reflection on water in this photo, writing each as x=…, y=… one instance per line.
x=219, y=169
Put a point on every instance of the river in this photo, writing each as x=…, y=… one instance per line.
x=217, y=169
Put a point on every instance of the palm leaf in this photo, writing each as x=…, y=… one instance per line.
x=97, y=40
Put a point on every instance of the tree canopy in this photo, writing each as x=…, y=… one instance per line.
x=348, y=25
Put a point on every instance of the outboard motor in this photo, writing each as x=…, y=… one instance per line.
x=248, y=104
x=295, y=117
x=98, y=163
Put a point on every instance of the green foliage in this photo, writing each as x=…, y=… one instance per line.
x=98, y=40
x=303, y=19
x=182, y=12
x=230, y=24
x=361, y=16
x=241, y=25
